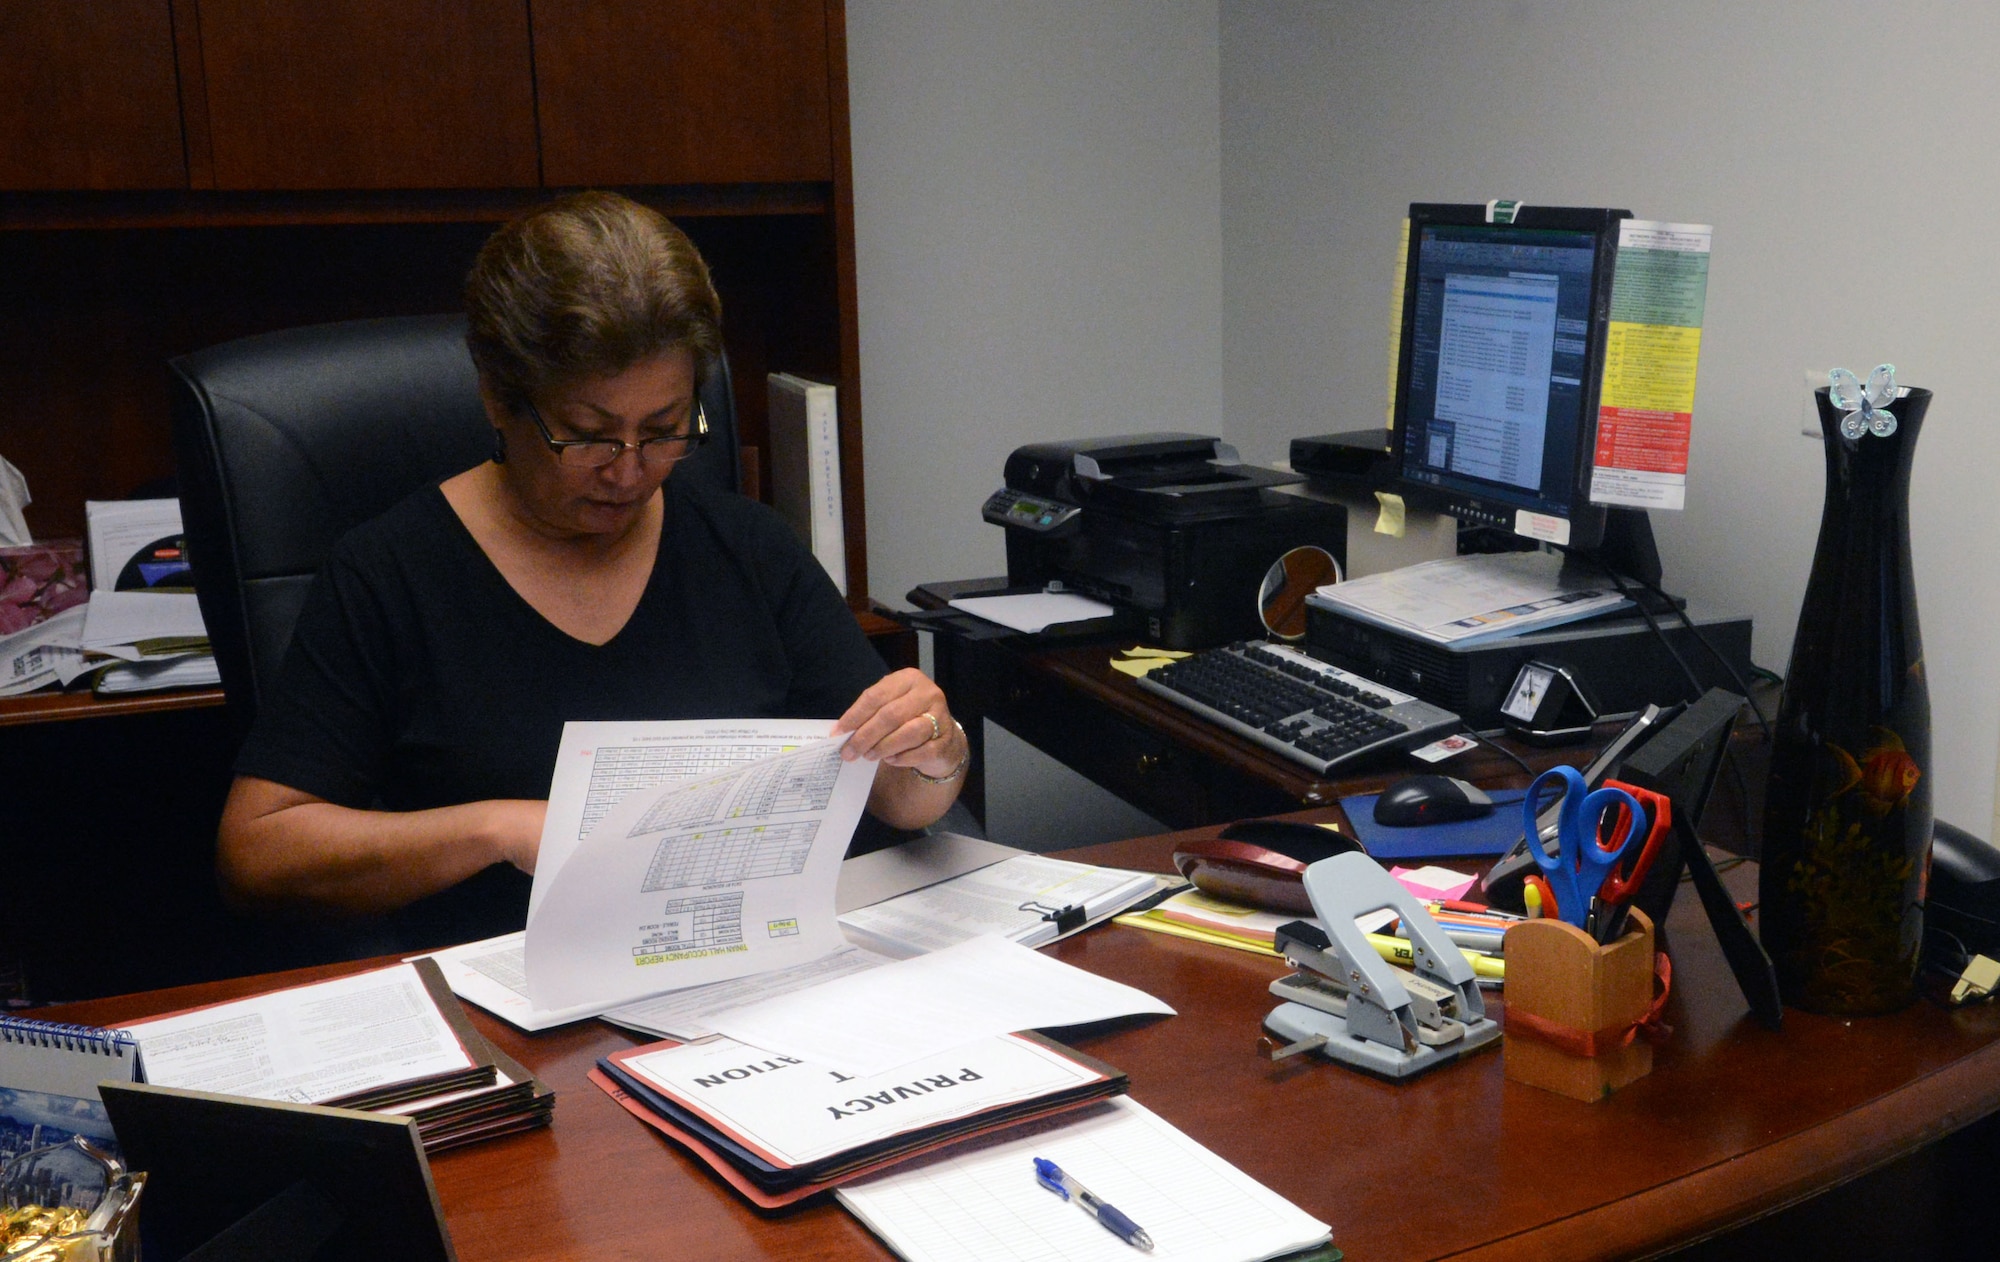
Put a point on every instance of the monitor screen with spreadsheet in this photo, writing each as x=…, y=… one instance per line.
x=1501, y=360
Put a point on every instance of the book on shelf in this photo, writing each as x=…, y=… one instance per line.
x=805, y=467
x=778, y=1129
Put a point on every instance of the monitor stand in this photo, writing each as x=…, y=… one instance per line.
x=1628, y=545
x=1628, y=550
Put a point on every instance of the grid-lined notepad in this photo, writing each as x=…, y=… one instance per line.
x=982, y=1201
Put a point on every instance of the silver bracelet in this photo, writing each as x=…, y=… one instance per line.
x=964, y=760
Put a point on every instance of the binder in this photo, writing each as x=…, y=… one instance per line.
x=805, y=467
x=750, y=1161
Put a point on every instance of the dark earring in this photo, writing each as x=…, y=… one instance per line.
x=499, y=447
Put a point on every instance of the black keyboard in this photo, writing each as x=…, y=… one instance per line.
x=1312, y=713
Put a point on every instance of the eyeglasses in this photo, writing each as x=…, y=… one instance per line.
x=596, y=453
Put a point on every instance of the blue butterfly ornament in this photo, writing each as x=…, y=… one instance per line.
x=1867, y=406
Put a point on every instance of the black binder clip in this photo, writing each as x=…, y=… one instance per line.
x=1067, y=919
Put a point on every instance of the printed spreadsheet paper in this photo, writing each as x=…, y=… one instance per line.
x=491, y=973
x=981, y=1201
x=692, y=880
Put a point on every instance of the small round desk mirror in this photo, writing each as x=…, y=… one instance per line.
x=1281, y=601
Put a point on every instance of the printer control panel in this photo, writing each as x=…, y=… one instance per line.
x=1020, y=511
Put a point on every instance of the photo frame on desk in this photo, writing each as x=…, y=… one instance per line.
x=1683, y=762
x=230, y=1178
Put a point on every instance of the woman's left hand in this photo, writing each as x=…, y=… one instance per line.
x=902, y=721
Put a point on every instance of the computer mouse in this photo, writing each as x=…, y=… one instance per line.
x=1430, y=800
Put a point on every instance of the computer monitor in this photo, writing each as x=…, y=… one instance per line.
x=1501, y=361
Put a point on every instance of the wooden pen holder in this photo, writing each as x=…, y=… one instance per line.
x=1572, y=1003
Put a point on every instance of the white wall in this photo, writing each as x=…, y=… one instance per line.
x=1038, y=248
x=1845, y=154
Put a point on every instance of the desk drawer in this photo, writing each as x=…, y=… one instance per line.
x=1140, y=766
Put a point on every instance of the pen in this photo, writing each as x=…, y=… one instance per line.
x=1050, y=1176
x=1471, y=909
x=1493, y=924
x=1469, y=938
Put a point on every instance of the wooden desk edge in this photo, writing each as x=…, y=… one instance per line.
x=50, y=707
x=1770, y=1177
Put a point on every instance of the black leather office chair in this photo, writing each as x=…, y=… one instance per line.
x=287, y=440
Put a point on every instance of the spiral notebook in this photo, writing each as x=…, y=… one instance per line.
x=48, y=1081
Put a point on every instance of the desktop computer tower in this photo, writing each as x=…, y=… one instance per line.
x=1622, y=664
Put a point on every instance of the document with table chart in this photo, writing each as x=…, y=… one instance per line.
x=681, y=853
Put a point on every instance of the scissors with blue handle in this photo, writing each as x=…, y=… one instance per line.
x=1583, y=858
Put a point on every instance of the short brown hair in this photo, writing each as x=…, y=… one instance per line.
x=586, y=286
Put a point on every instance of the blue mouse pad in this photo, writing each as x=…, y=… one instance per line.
x=1489, y=834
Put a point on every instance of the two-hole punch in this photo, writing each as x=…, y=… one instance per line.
x=1351, y=1005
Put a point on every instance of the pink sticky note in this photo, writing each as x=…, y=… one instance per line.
x=1432, y=882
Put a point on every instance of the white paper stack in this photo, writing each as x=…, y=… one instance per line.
x=143, y=616
x=1470, y=599
x=980, y=1201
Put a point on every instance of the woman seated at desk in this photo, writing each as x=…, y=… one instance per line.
x=401, y=766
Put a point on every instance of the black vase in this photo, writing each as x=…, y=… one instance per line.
x=1847, y=819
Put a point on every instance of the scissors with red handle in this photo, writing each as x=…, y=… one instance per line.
x=1622, y=883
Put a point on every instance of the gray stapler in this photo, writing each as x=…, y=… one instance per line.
x=1350, y=1004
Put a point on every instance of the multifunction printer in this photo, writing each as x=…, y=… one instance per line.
x=1173, y=530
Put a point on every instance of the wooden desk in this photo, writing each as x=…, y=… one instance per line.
x=1066, y=701
x=1733, y=1122
x=1064, y=698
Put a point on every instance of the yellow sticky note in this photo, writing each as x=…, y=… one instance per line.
x=1390, y=520
x=1138, y=666
x=1170, y=655
x=1396, y=283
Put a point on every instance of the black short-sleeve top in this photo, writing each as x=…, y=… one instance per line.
x=418, y=677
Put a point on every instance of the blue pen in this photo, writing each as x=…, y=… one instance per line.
x=1050, y=1176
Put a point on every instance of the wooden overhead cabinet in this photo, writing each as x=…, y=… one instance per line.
x=87, y=96
x=181, y=172
x=683, y=91
x=361, y=94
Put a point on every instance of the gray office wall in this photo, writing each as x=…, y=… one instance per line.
x=1845, y=154
x=1038, y=248
x=1059, y=231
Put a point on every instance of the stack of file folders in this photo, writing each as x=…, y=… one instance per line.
x=515, y=1100
x=779, y=1130
x=390, y=1040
